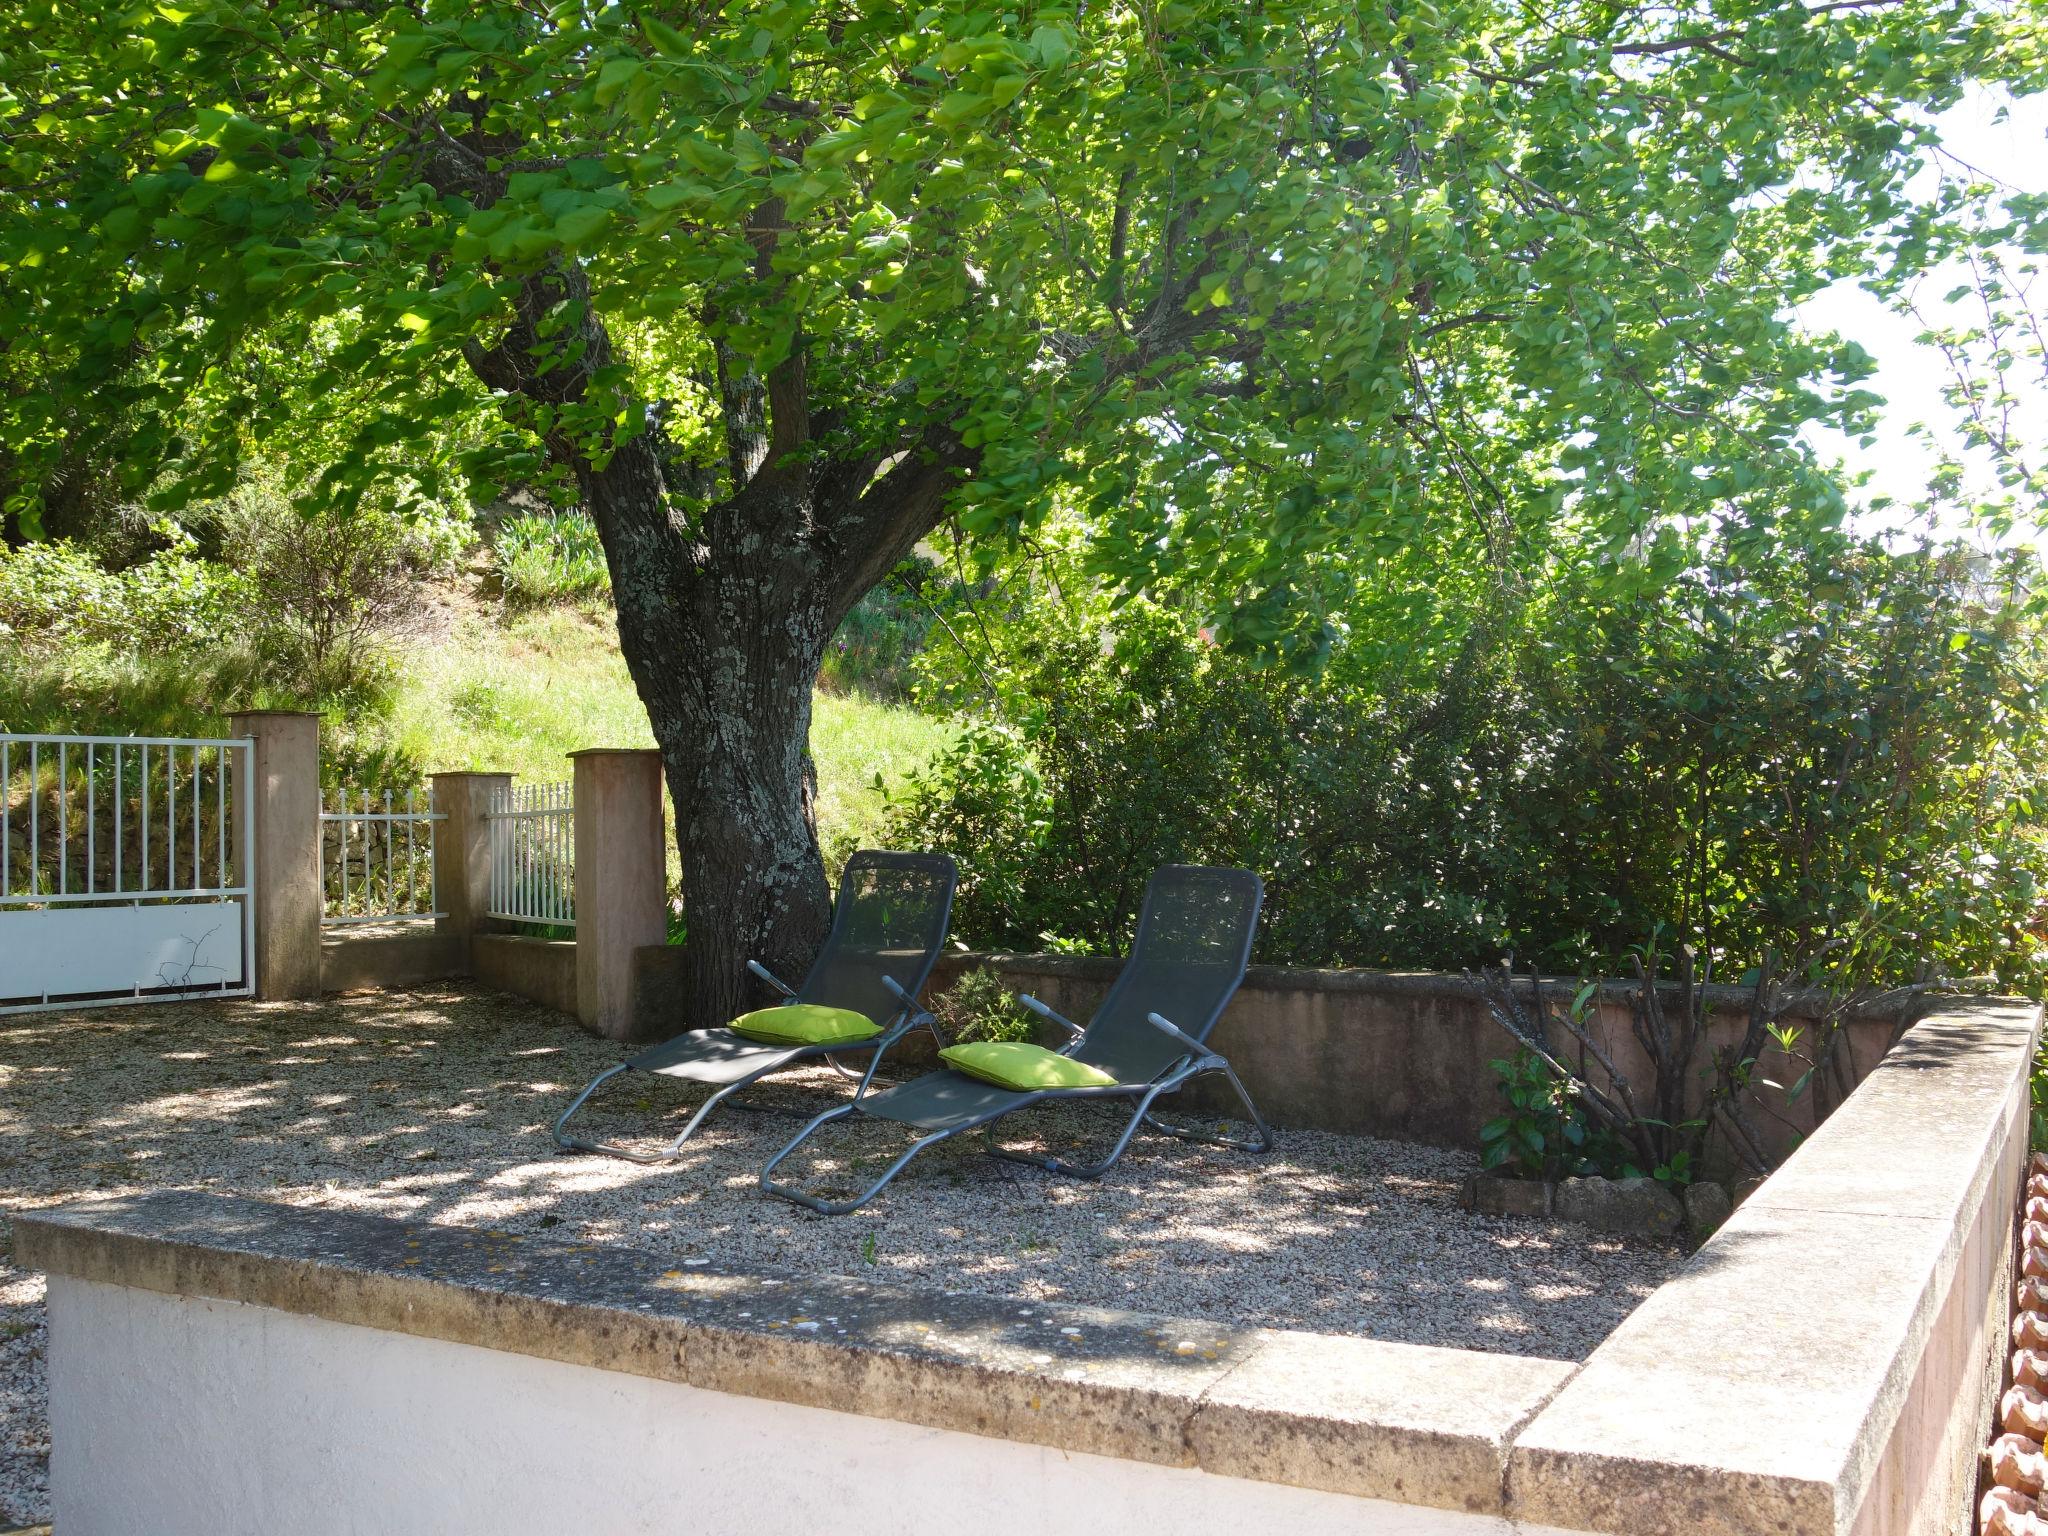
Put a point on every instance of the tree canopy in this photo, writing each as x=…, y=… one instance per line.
x=1269, y=287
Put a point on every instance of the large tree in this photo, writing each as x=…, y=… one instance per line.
x=1270, y=291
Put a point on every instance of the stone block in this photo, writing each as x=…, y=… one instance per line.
x=1497, y=1194
x=1707, y=1206
x=1628, y=1207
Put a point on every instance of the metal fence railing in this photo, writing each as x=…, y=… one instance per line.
x=377, y=859
x=122, y=873
x=533, y=854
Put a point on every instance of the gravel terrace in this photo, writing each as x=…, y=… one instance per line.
x=435, y=1105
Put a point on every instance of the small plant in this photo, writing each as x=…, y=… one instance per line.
x=1544, y=1133
x=550, y=559
x=979, y=1007
x=867, y=1250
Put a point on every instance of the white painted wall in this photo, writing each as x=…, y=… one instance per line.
x=175, y=1416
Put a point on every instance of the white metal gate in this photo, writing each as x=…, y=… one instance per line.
x=533, y=854
x=124, y=870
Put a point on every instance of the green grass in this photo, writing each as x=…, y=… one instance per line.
x=518, y=697
x=515, y=697
x=854, y=741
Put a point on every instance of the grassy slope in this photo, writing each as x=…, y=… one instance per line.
x=512, y=696
x=517, y=697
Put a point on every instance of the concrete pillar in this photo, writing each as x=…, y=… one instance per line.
x=621, y=862
x=462, y=855
x=279, y=780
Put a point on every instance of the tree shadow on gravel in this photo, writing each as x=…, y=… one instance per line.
x=435, y=1105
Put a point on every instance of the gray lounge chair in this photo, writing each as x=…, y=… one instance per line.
x=1193, y=942
x=888, y=926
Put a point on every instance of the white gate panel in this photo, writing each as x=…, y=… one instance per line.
x=189, y=947
x=124, y=869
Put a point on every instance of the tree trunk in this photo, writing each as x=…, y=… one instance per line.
x=724, y=620
x=724, y=638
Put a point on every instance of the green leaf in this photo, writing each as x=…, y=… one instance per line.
x=961, y=107
x=668, y=42
x=614, y=77
x=580, y=225
x=1052, y=44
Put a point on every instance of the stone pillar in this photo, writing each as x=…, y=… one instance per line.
x=621, y=862
x=279, y=780
x=462, y=855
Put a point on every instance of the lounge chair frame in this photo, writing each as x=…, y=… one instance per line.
x=1196, y=1061
x=733, y=1064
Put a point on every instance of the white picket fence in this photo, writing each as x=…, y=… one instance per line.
x=533, y=854
x=377, y=859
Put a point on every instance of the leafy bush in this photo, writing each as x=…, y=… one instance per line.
x=57, y=594
x=550, y=558
x=879, y=640
x=49, y=591
x=333, y=588
x=1827, y=752
x=1544, y=1134
x=265, y=603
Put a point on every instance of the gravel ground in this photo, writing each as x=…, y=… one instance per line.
x=435, y=1105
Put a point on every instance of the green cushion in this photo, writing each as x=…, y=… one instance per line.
x=1013, y=1064
x=805, y=1024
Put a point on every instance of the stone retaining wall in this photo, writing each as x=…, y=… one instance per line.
x=371, y=956
x=543, y=970
x=1401, y=1054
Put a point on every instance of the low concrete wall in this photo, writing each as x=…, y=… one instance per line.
x=1404, y=1055
x=422, y=1435
x=360, y=958
x=543, y=970
x=1400, y=1054
x=1826, y=1363
x=464, y=1381
x=1823, y=1367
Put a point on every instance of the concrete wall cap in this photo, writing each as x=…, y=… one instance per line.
x=1761, y=1388
x=1286, y=978
x=525, y=941
x=1419, y=1425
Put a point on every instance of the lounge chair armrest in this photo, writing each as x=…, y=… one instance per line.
x=771, y=978
x=905, y=1021
x=1046, y=1013
x=1194, y=1046
x=911, y=1015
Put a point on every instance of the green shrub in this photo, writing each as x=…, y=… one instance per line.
x=58, y=595
x=1544, y=1134
x=980, y=1007
x=254, y=600
x=1827, y=753
x=545, y=558
x=877, y=643
x=334, y=591
x=51, y=592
